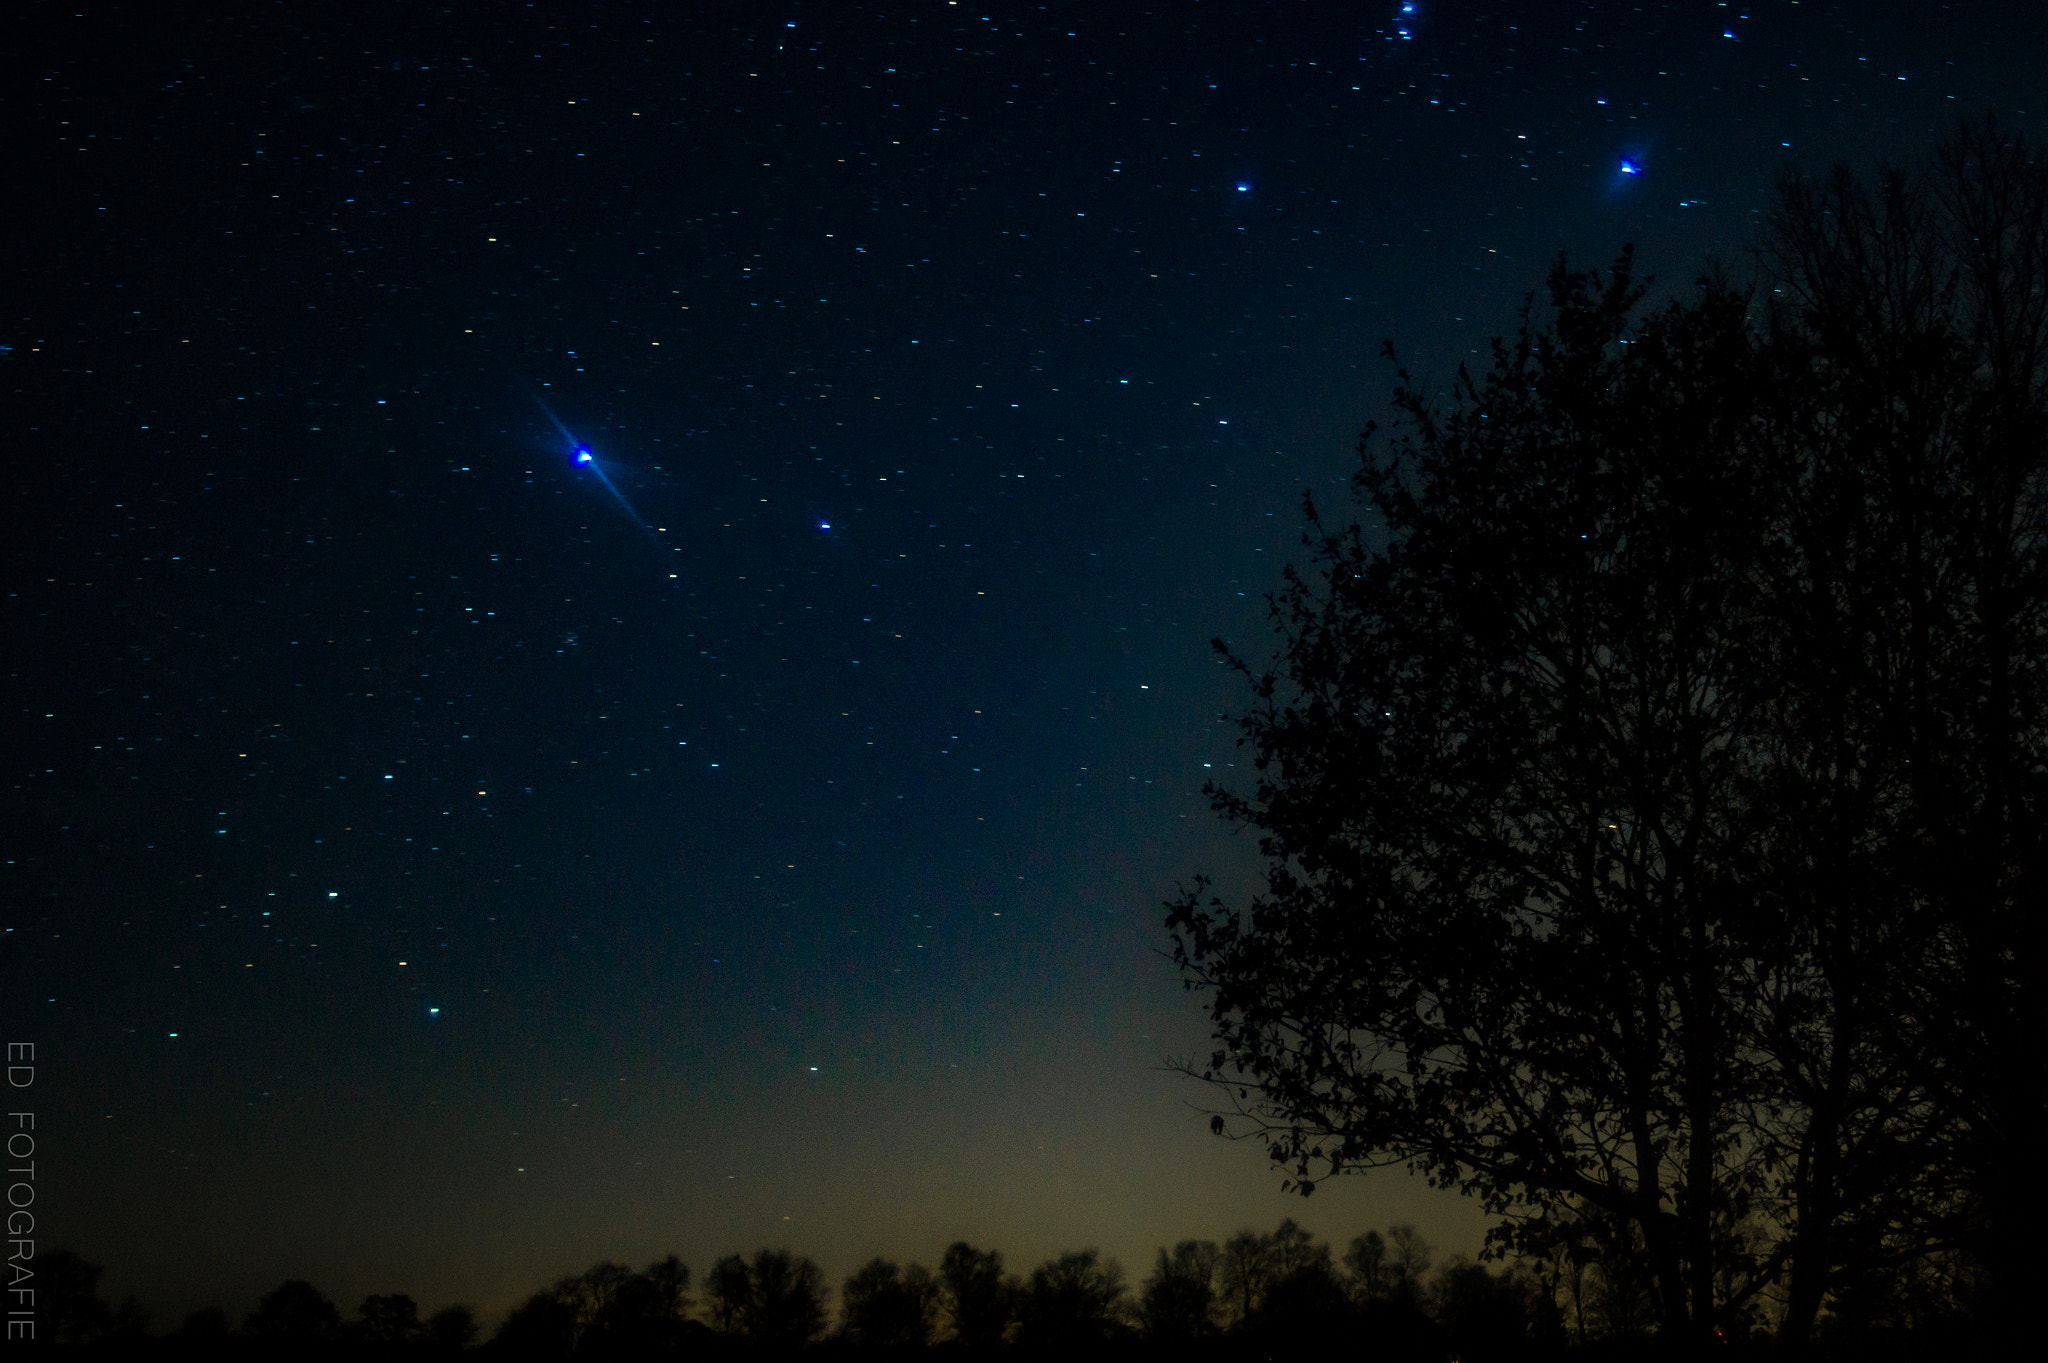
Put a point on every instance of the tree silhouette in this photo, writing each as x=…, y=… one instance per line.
x=1653, y=794
x=668, y=1281
x=1365, y=1265
x=205, y=1330
x=1286, y=1290
x=1305, y=1310
x=592, y=1296
x=543, y=1326
x=978, y=1300
x=1916, y=599
x=1291, y=1250
x=68, y=1298
x=1389, y=1267
x=1075, y=1301
x=1177, y=1304
x=1598, y=1271
x=294, y=1312
x=1487, y=1315
x=1384, y=1277
x=1408, y=1260
x=730, y=1294
x=786, y=1307
x=1242, y=1275
x=631, y=1316
x=607, y=1311
x=886, y=1306
x=1497, y=798
x=451, y=1329
x=388, y=1322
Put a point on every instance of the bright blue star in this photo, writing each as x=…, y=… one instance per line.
x=1243, y=187
x=583, y=455
x=1629, y=167
x=824, y=525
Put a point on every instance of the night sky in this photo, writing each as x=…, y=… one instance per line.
x=433, y=864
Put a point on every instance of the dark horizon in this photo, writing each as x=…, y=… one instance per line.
x=1424, y=1280
x=1278, y=1288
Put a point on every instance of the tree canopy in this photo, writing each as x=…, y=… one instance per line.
x=1650, y=782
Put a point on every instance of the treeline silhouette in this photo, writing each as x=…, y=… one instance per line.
x=1254, y=1295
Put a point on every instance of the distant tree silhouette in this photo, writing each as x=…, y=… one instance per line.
x=592, y=1296
x=543, y=1327
x=1290, y=1250
x=668, y=1281
x=206, y=1328
x=294, y=1312
x=1408, y=1261
x=623, y=1314
x=729, y=1294
x=786, y=1306
x=388, y=1322
x=1600, y=1279
x=1282, y=1289
x=1390, y=1267
x=68, y=1299
x=1242, y=1275
x=606, y=1311
x=978, y=1301
x=1075, y=1301
x=1365, y=1267
x=1177, y=1304
x=886, y=1306
x=130, y=1322
x=1305, y=1311
x=1486, y=1316
x=451, y=1329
